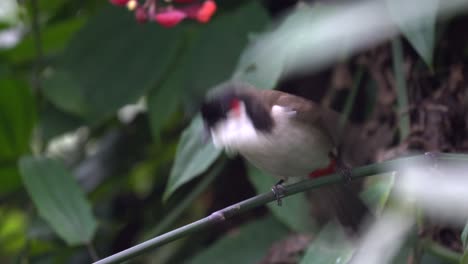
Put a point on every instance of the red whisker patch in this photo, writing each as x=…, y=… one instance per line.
x=331, y=168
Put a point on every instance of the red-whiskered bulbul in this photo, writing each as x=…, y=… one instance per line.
x=284, y=135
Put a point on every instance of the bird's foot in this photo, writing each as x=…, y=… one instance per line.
x=278, y=191
x=343, y=169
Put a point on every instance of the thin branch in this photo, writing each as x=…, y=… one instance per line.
x=264, y=198
x=92, y=251
x=36, y=31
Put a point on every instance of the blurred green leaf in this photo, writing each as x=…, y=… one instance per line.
x=329, y=247
x=9, y=11
x=421, y=33
x=162, y=101
x=378, y=189
x=54, y=122
x=59, y=199
x=212, y=57
x=193, y=157
x=54, y=38
x=17, y=115
x=248, y=245
x=12, y=229
x=9, y=177
x=112, y=61
x=64, y=92
x=295, y=213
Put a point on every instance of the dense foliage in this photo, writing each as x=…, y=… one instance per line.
x=100, y=137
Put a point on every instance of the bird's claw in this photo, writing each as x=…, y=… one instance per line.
x=278, y=191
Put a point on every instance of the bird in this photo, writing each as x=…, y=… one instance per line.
x=286, y=136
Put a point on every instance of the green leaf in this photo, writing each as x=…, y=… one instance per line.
x=17, y=116
x=378, y=189
x=212, y=57
x=112, y=61
x=65, y=93
x=193, y=157
x=10, y=178
x=419, y=33
x=163, y=100
x=54, y=122
x=59, y=199
x=54, y=38
x=295, y=212
x=248, y=245
x=329, y=247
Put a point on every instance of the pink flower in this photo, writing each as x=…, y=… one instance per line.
x=206, y=11
x=170, y=17
x=119, y=2
x=141, y=15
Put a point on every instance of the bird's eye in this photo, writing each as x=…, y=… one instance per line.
x=235, y=104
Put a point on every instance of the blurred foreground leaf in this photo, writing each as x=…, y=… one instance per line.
x=193, y=157
x=295, y=213
x=419, y=33
x=248, y=245
x=59, y=199
x=330, y=247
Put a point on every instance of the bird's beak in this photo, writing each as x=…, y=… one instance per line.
x=206, y=134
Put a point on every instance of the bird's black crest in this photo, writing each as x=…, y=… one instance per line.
x=215, y=109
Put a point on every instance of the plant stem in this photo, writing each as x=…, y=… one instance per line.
x=400, y=83
x=264, y=198
x=36, y=31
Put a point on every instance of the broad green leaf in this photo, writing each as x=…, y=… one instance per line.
x=112, y=61
x=331, y=246
x=419, y=33
x=17, y=115
x=59, y=199
x=248, y=245
x=193, y=157
x=54, y=38
x=294, y=214
x=213, y=55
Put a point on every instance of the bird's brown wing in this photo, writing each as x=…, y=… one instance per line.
x=307, y=112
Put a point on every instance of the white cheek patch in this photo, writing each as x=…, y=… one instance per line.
x=278, y=110
x=236, y=132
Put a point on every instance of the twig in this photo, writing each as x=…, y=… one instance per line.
x=36, y=31
x=264, y=198
x=92, y=251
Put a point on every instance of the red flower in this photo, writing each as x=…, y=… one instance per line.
x=170, y=17
x=141, y=15
x=119, y=2
x=206, y=11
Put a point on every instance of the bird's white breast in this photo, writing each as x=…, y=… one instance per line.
x=290, y=149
